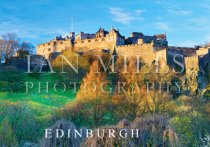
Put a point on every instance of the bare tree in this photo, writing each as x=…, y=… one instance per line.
x=10, y=44
x=27, y=47
x=1, y=49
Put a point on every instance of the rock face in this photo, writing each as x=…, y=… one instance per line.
x=64, y=141
x=152, y=131
x=155, y=131
x=107, y=141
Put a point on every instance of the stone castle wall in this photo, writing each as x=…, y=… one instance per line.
x=148, y=51
x=202, y=51
x=46, y=49
x=204, y=59
x=162, y=55
x=97, y=44
x=145, y=51
x=191, y=63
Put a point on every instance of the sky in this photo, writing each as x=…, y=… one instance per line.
x=185, y=22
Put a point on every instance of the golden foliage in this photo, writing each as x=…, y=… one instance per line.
x=90, y=88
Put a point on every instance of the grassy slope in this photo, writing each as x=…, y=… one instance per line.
x=43, y=103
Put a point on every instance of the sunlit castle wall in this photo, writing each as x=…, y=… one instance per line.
x=147, y=51
x=46, y=49
x=191, y=63
x=97, y=44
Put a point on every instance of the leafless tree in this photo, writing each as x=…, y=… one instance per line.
x=26, y=46
x=1, y=48
x=10, y=43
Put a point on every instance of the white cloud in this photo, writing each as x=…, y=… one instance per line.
x=139, y=12
x=124, y=17
x=178, y=11
x=201, y=21
x=26, y=29
x=205, y=5
x=173, y=8
x=13, y=25
x=199, y=24
x=162, y=26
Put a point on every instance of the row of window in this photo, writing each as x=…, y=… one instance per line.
x=96, y=40
x=54, y=43
x=49, y=50
x=90, y=41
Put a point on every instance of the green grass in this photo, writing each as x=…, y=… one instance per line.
x=50, y=100
x=43, y=104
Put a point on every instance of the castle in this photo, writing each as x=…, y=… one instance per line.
x=108, y=42
x=147, y=47
x=195, y=59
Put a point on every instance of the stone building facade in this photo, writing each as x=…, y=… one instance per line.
x=196, y=62
x=112, y=41
x=149, y=48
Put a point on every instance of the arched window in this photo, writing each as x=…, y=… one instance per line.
x=49, y=49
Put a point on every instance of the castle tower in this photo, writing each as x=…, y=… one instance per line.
x=72, y=38
x=101, y=33
x=72, y=35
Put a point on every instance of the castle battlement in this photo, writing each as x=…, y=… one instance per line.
x=135, y=45
x=191, y=58
x=100, y=40
x=129, y=45
x=147, y=47
x=95, y=40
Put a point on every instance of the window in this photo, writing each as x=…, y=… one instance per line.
x=89, y=40
x=61, y=42
x=49, y=49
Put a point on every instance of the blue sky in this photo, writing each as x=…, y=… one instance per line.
x=186, y=22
